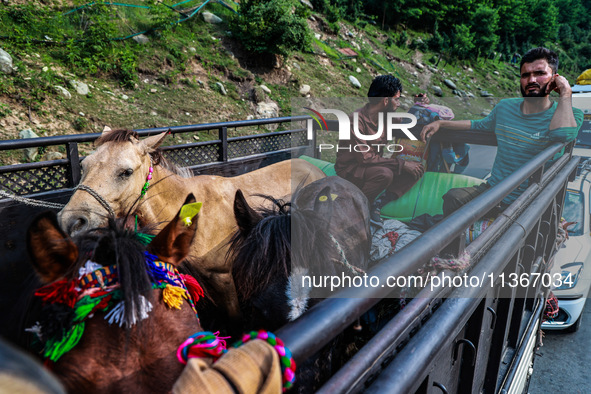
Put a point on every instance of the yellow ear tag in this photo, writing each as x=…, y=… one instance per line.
x=322, y=198
x=188, y=212
x=334, y=196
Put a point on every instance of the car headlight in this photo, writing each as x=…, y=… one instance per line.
x=570, y=275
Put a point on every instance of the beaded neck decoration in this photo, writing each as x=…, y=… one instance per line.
x=69, y=303
x=148, y=179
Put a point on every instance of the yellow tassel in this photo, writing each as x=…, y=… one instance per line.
x=173, y=296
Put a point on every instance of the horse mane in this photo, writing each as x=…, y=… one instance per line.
x=125, y=135
x=285, y=237
x=119, y=245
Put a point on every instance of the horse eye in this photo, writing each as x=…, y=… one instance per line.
x=127, y=173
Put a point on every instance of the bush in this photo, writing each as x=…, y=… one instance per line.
x=274, y=27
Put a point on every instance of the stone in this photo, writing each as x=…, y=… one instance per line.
x=63, y=91
x=266, y=89
x=267, y=110
x=106, y=128
x=470, y=95
x=211, y=18
x=420, y=66
x=357, y=70
x=486, y=112
x=192, y=49
x=196, y=137
x=258, y=95
x=141, y=39
x=317, y=36
x=450, y=84
x=6, y=62
x=222, y=88
x=54, y=156
x=81, y=87
x=433, y=69
x=304, y=90
x=296, y=66
x=45, y=69
x=354, y=81
x=470, y=70
x=485, y=93
x=153, y=90
x=311, y=18
x=30, y=153
x=496, y=72
x=124, y=97
x=81, y=114
x=153, y=113
x=250, y=117
x=307, y=4
x=437, y=90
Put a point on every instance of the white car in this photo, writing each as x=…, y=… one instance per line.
x=573, y=260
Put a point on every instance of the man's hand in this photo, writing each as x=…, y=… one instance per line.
x=414, y=168
x=429, y=130
x=560, y=85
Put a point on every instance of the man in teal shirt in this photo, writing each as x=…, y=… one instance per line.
x=524, y=126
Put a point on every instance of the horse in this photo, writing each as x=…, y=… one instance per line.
x=123, y=168
x=113, y=310
x=324, y=231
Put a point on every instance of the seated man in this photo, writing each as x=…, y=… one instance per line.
x=524, y=126
x=367, y=168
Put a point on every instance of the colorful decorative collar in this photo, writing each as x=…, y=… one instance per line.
x=97, y=289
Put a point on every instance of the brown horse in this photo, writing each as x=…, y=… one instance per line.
x=100, y=281
x=115, y=175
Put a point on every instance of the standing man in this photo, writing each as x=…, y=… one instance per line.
x=524, y=126
x=367, y=168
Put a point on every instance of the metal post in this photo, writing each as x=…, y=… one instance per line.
x=223, y=136
x=74, y=173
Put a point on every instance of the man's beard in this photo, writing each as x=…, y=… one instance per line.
x=541, y=92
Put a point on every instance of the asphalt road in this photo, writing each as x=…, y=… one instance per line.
x=563, y=364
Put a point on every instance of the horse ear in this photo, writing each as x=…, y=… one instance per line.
x=52, y=251
x=154, y=141
x=173, y=243
x=246, y=217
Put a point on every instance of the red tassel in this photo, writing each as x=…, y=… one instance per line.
x=61, y=292
x=193, y=287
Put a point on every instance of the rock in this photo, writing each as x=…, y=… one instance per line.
x=420, y=66
x=258, y=95
x=355, y=45
x=433, y=69
x=81, y=87
x=54, y=156
x=106, y=128
x=63, y=91
x=153, y=90
x=311, y=18
x=450, y=84
x=124, y=97
x=470, y=95
x=211, y=18
x=265, y=89
x=295, y=65
x=317, y=36
x=267, y=110
x=437, y=90
x=304, y=90
x=222, y=88
x=357, y=70
x=470, y=70
x=81, y=114
x=141, y=39
x=192, y=49
x=354, y=82
x=250, y=117
x=153, y=113
x=201, y=83
x=307, y=4
x=485, y=93
x=30, y=153
x=486, y=112
x=196, y=137
x=496, y=72
x=5, y=62
x=45, y=69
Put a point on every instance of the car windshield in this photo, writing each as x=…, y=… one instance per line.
x=574, y=211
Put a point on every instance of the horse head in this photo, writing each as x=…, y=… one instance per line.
x=114, y=310
x=113, y=178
